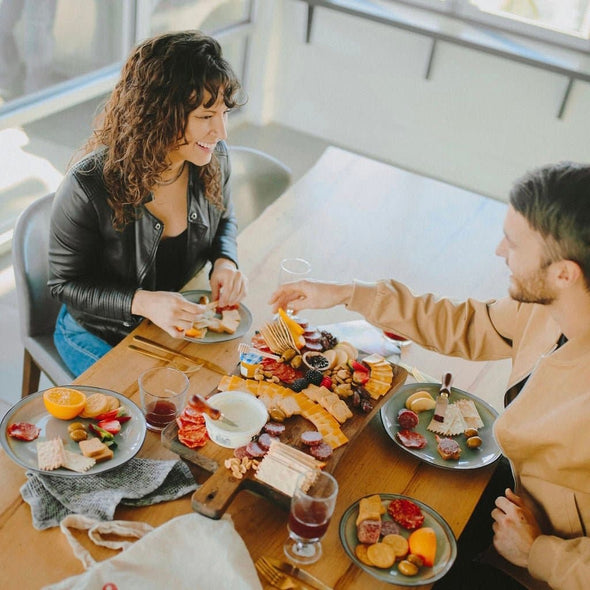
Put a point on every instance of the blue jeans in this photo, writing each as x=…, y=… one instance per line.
x=78, y=348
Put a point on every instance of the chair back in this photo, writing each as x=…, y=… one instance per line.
x=30, y=259
x=257, y=179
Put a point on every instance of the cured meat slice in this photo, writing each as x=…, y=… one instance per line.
x=411, y=439
x=265, y=440
x=448, y=448
x=311, y=438
x=284, y=372
x=254, y=450
x=240, y=452
x=321, y=452
x=407, y=419
x=368, y=531
x=406, y=513
x=388, y=527
x=23, y=431
x=274, y=428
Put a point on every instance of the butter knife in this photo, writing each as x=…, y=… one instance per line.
x=201, y=405
x=299, y=574
x=442, y=401
x=193, y=359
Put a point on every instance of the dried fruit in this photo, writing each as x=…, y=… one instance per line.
x=314, y=376
x=299, y=384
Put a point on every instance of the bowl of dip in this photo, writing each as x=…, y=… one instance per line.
x=246, y=410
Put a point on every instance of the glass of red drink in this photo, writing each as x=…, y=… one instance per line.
x=393, y=337
x=163, y=395
x=312, y=506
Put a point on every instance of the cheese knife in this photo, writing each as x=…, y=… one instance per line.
x=200, y=404
x=193, y=359
x=442, y=401
x=299, y=574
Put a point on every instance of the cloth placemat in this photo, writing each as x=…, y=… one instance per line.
x=140, y=482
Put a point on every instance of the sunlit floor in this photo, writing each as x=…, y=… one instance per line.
x=38, y=154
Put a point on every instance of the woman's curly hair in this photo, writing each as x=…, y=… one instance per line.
x=164, y=79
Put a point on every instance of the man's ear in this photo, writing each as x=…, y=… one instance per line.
x=567, y=273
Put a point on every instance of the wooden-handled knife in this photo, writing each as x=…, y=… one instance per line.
x=442, y=401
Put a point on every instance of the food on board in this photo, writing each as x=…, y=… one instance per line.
x=64, y=403
x=23, y=431
x=448, y=448
x=311, y=438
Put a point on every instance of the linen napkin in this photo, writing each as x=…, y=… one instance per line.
x=140, y=482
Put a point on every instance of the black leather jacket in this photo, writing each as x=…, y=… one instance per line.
x=96, y=270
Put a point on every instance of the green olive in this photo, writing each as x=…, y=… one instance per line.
x=471, y=432
x=407, y=568
x=415, y=559
x=78, y=435
x=76, y=426
x=473, y=442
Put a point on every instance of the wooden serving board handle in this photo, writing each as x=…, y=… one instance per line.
x=216, y=494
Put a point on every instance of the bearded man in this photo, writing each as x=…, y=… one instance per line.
x=539, y=521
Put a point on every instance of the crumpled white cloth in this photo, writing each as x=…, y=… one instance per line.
x=189, y=552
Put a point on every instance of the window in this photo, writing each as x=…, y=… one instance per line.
x=562, y=22
x=57, y=53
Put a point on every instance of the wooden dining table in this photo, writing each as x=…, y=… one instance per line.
x=353, y=218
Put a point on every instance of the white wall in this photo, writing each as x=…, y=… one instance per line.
x=479, y=122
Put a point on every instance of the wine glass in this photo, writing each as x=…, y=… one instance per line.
x=396, y=338
x=293, y=269
x=312, y=506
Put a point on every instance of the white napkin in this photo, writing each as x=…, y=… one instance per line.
x=190, y=552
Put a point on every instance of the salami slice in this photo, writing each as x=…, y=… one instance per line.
x=192, y=431
x=254, y=450
x=321, y=452
x=286, y=373
x=23, y=431
x=388, y=527
x=240, y=452
x=406, y=513
x=411, y=439
x=274, y=428
x=265, y=440
x=407, y=419
x=311, y=438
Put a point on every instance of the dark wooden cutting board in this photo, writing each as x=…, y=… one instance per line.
x=219, y=489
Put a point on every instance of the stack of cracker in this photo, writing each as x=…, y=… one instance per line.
x=459, y=416
x=52, y=455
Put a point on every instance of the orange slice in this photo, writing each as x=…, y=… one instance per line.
x=63, y=402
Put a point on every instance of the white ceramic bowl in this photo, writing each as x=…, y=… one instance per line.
x=246, y=410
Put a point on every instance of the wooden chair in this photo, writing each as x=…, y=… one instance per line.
x=257, y=179
x=37, y=310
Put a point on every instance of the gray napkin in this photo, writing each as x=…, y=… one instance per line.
x=140, y=482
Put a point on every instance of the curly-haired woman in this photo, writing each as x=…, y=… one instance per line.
x=149, y=204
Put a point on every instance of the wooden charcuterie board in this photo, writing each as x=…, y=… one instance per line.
x=217, y=492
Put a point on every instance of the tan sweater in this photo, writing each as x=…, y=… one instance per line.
x=544, y=432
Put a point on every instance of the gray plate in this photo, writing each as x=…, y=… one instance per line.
x=487, y=453
x=32, y=409
x=446, y=546
x=210, y=337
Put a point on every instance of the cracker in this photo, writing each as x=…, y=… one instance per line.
x=361, y=552
x=452, y=425
x=469, y=412
x=96, y=404
x=77, y=462
x=381, y=554
x=114, y=403
x=50, y=454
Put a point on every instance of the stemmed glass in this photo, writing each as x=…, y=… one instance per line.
x=396, y=338
x=312, y=506
x=293, y=269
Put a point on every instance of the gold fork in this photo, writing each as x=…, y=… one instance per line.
x=275, y=577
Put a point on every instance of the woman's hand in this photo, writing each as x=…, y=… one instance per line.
x=310, y=295
x=228, y=285
x=515, y=529
x=170, y=311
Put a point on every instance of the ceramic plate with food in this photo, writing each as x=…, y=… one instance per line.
x=469, y=458
x=242, y=323
x=444, y=549
x=31, y=410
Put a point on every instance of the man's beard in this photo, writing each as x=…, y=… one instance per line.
x=532, y=288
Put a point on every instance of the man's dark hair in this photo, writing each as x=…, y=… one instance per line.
x=555, y=200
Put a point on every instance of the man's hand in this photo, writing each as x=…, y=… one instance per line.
x=515, y=529
x=310, y=295
x=228, y=285
x=170, y=311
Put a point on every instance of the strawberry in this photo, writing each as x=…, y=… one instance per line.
x=326, y=382
x=111, y=426
x=360, y=377
x=119, y=414
x=356, y=366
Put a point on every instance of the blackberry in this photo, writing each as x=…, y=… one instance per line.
x=328, y=340
x=299, y=384
x=314, y=376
